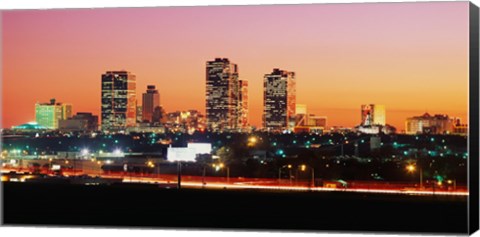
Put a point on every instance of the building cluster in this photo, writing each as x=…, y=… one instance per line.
x=185, y=121
x=309, y=123
x=80, y=122
x=226, y=109
x=373, y=120
x=227, y=101
x=436, y=124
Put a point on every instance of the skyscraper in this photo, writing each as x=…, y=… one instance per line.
x=226, y=96
x=49, y=114
x=373, y=115
x=151, y=100
x=118, y=100
x=279, y=100
x=243, y=104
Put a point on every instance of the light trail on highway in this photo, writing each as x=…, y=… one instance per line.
x=254, y=183
x=235, y=185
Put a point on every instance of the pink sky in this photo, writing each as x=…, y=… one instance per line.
x=411, y=57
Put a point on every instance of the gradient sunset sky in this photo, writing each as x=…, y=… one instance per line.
x=410, y=57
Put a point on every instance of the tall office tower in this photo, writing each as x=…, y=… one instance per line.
x=151, y=100
x=279, y=96
x=243, y=104
x=49, y=114
x=225, y=100
x=118, y=100
x=373, y=115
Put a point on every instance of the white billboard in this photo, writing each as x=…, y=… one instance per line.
x=201, y=148
x=181, y=154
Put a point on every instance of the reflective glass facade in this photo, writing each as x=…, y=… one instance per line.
x=279, y=100
x=226, y=96
x=48, y=115
x=118, y=100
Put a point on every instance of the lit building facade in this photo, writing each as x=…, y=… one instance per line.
x=301, y=118
x=243, y=105
x=317, y=121
x=31, y=126
x=185, y=121
x=118, y=100
x=226, y=96
x=460, y=128
x=428, y=124
x=151, y=100
x=373, y=115
x=308, y=123
x=48, y=115
x=279, y=100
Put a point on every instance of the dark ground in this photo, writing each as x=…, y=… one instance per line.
x=142, y=206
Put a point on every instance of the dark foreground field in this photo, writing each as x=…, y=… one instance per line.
x=55, y=204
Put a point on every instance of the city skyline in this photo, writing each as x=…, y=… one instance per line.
x=334, y=76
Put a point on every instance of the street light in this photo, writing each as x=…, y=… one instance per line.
x=158, y=169
x=203, y=175
x=252, y=141
x=454, y=183
x=411, y=168
x=303, y=168
x=50, y=165
x=85, y=152
x=289, y=171
x=117, y=151
x=150, y=164
x=221, y=166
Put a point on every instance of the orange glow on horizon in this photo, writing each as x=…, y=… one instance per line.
x=414, y=60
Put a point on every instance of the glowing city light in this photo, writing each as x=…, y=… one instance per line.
x=411, y=168
x=85, y=151
x=117, y=152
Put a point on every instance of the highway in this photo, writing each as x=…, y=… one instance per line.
x=238, y=183
x=274, y=185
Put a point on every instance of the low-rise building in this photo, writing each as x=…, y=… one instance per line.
x=428, y=124
x=81, y=122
